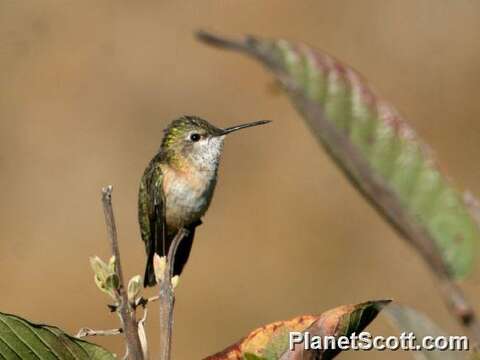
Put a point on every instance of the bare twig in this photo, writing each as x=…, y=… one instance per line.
x=127, y=316
x=141, y=301
x=167, y=299
x=83, y=332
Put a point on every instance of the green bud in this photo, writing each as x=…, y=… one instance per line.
x=159, y=265
x=111, y=264
x=134, y=287
x=175, y=281
x=101, y=284
x=99, y=267
x=105, y=278
x=112, y=282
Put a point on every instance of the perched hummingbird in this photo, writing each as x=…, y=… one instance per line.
x=177, y=187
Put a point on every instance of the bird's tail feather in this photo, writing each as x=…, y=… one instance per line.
x=149, y=277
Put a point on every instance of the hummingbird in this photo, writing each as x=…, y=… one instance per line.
x=177, y=187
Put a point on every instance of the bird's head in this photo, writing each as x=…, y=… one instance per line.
x=194, y=141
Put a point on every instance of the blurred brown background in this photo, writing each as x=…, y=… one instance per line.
x=86, y=88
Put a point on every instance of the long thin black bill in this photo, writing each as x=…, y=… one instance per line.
x=243, y=126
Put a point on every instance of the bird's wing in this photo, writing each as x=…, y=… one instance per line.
x=151, y=209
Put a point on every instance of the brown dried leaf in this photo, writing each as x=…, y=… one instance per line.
x=271, y=341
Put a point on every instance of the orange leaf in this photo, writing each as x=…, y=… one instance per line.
x=271, y=341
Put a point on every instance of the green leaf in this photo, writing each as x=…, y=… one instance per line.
x=112, y=282
x=134, y=287
x=99, y=267
x=250, y=356
x=270, y=342
x=111, y=264
x=375, y=147
x=100, y=284
x=409, y=320
x=21, y=339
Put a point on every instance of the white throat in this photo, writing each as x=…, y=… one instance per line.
x=206, y=154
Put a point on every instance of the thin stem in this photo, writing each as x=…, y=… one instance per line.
x=127, y=316
x=221, y=41
x=145, y=301
x=83, y=332
x=460, y=307
x=167, y=299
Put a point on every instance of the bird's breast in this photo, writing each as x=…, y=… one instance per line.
x=187, y=196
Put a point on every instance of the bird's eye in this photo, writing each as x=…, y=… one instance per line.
x=195, y=137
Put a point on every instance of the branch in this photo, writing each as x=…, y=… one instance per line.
x=167, y=298
x=127, y=316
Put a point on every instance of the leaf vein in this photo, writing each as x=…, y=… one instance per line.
x=18, y=336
